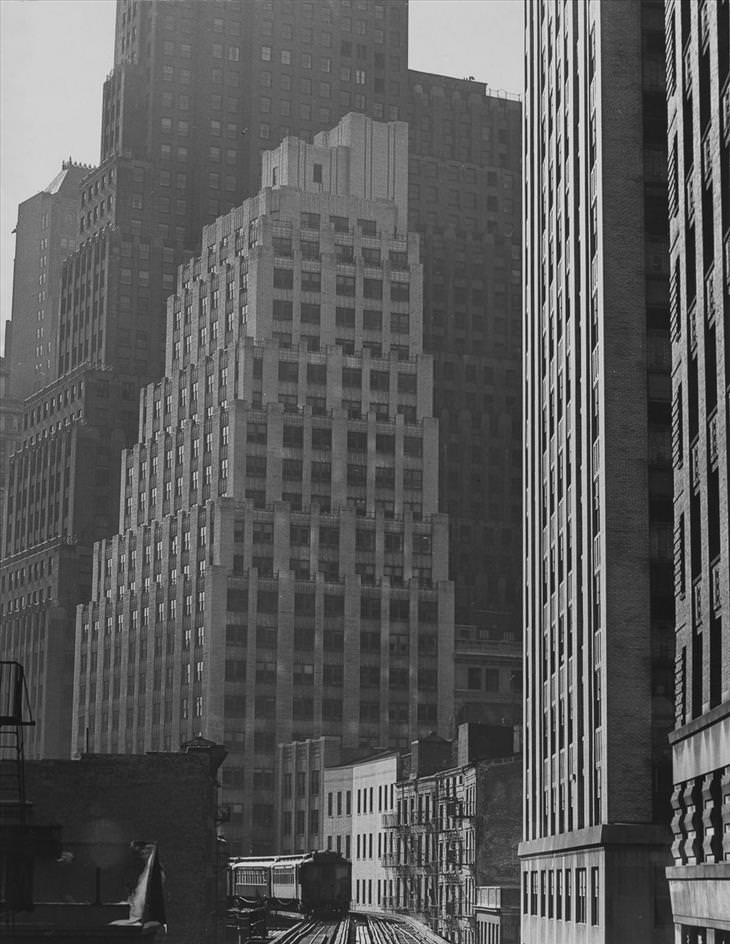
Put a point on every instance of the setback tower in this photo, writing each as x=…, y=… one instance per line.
x=281, y=568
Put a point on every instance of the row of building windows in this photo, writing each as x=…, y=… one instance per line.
x=549, y=893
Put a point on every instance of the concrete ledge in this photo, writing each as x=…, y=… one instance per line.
x=611, y=834
x=701, y=894
x=697, y=724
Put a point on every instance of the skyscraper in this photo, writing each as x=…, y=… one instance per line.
x=46, y=232
x=186, y=111
x=197, y=90
x=465, y=201
x=598, y=513
x=698, y=93
x=281, y=567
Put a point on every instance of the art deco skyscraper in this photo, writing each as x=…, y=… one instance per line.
x=281, y=568
x=698, y=92
x=598, y=516
x=196, y=91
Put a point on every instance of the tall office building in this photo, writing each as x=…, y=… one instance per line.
x=196, y=91
x=465, y=202
x=698, y=93
x=281, y=567
x=598, y=517
x=10, y=414
x=46, y=232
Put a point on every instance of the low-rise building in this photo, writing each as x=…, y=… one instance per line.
x=456, y=827
x=373, y=791
x=300, y=791
x=338, y=809
x=497, y=914
x=103, y=803
x=357, y=797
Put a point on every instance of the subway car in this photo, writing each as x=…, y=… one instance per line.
x=312, y=882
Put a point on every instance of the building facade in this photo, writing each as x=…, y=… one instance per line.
x=62, y=486
x=373, y=797
x=46, y=232
x=465, y=201
x=280, y=508
x=598, y=524
x=497, y=914
x=698, y=95
x=196, y=91
x=487, y=676
x=358, y=796
x=299, y=807
x=455, y=825
x=10, y=416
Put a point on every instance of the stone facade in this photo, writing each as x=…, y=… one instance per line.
x=46, y=232
x=278, y=519
x=300, y=792
x=454, y=828
x=598, y=593
x=698, y=65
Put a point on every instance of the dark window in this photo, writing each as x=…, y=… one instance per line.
x=309, y=314
x=345, y=317
x=288, y=371
x=372, y=320
x=311, y=281
x=373, y=288
x=293, y=437
x=345, y=284
x=379, y=380
x=321, y=438
x=351, y=377
x=283, y=278
x=357, y=442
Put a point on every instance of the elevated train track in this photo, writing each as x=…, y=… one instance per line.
x=357, y=928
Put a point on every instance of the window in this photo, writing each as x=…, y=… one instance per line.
x=310, y=314
x=288, y=371
x=282, y=310
x=283, y=278
x=372, y=288
x=311, y=281
x=379, y=380
x=399, y=323
x=310, y=221
x=372, y=320
x=266, y=53
x=595, y=880
x=345, y=285
x=580, y=895
x=345, y=318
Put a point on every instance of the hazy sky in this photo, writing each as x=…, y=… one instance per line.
x=55, y=54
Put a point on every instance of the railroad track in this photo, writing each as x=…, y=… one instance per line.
x=357, y=928
x=317, y=932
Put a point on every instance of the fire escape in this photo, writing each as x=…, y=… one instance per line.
x=16, y=845
x=456, y=922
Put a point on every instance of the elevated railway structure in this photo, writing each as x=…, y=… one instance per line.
x=359, y=928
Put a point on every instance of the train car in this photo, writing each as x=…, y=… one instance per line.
x=325, y=884
x=312, y=883
x=250, y=879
